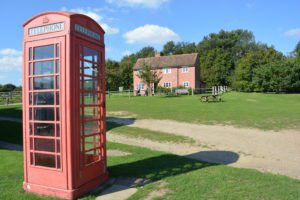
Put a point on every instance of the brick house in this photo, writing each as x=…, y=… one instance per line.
x=176, y=70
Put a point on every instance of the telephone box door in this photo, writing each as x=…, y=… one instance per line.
x=92, y=110
x=46, y=146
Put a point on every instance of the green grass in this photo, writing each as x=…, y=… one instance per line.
x=186, y=178
x=255, y=110
x=135, y=132
x=11, y=132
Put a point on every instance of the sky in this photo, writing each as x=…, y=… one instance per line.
x=133, y=24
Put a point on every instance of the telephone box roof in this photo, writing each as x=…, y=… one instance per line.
x=64, y=13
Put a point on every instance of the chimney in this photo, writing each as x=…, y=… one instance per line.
x=157, y=54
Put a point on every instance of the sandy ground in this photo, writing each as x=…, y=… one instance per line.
x=275, y=152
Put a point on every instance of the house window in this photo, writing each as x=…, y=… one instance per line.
x=185, y=69
x=140, y=86
x=186, y=84
x=167, y=84
x=167, y=71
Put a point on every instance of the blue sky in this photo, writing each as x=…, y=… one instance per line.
x=133, y=24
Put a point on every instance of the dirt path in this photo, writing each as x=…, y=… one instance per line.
x=276, y=152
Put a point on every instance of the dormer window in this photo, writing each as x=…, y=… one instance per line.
x=185, y=69
x=166, y=70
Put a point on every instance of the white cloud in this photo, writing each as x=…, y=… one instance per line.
x=150, y=35
x=134, y=3
x=93, y=13
x=293, y=32
x=126, y=53
x=10, y=59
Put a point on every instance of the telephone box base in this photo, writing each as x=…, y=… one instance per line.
x=65, y=194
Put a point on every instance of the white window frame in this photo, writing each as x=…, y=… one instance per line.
x=186, y=84
x=185, y=69
x=167, y=70
x=167, y=84
x=141, y=86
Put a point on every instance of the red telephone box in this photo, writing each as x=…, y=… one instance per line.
x=63, y=105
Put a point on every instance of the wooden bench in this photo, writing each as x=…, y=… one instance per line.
x=212, y=98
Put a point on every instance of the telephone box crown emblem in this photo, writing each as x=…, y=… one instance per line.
x=45, y=20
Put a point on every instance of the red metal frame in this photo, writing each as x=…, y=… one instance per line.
x=79, y=157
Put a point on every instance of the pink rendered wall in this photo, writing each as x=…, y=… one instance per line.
x=176, y=77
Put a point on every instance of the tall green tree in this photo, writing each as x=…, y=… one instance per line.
x=149, y=77
x=259, y=56
x=227, y=48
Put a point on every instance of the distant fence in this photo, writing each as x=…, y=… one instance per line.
x=7, y=98
x=123, y=93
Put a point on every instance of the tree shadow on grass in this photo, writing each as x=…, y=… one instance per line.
x=114, y=122
x=163, y=166
x=156, y=168
x=11, y=112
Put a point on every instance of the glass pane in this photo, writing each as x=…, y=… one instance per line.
x=44, y=160
x=30, y=129
x=57, y=82
x=90, y=54
x=31, y=144
x=30, y=69
x=57, y=98
x=90, y=112
x=44, y=52
x=44, y=114
x=58, y=146
x=57, y=114
x=91, y=142
x=30, y=53
x=30, y=83
x=41, y=144
x=57, y=50
x=57, y=66
x=43, y=83
x=89, y=83
x=44, y=129
x=57, y=130
x=90, y=98
x=92, y=156
x=31, y=158
x=58, y=162
x=44, y=98
x=30, y=98
x=91, y=127
x=44, y=67
x=90, y=69
x=30, y=113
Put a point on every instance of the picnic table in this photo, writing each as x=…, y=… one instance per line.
x=212, y=98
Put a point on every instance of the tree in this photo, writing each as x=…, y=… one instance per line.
x=149, y=77
x=145, y=52
x=244, y=72
x=113, y=75
x=230, y=46
x=8, y=87
x=169, y=48
x=297, y=50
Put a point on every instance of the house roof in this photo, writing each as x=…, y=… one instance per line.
x=167, y=61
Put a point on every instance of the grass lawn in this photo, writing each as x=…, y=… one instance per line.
x=185, y=178
x=135, y=132
x=263, y=111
